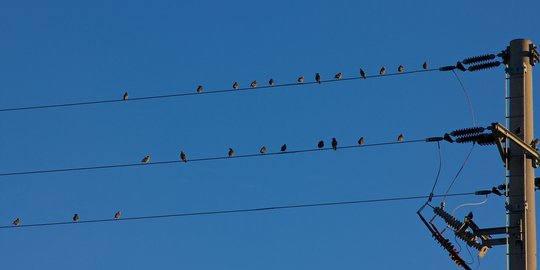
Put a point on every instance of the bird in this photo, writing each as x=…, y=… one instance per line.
x=534, y=144
x=382, y=71
x=183, y=156
x=362, y=73
x=425, y=65
x=76, y=217
x=199, y=89
x=271, y=82
x=284, y=148
x=146, y=159
x=126, y=96
x=263, y=150
x=235, y=85
x=400, y=68
x=334, y=143
x=400, y=138
x=16, y=222
x=469, y=216
x=321, y=144
x=117, y=215
x=318, y=78
x=300, y=79
x=254, y=83
x=231, y=152
x=361, y=141
x=338, y=76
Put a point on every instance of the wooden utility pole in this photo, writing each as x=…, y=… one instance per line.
x=521, y=206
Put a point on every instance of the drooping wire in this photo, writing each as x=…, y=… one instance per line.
x=113, y=166
x=439, y=170
x=231, y=211
x=469, y=102
x=459, y=171
x=95, y=102
x=469, y=204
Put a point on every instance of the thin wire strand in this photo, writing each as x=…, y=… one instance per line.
x=83, y=103
x=200, y=159
x=439, y=170
x=232, y=211
x=466, y=93
x=459, y=171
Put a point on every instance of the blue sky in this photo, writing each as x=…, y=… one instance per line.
x=65, y=51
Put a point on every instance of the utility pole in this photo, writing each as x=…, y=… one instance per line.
x=520, y=170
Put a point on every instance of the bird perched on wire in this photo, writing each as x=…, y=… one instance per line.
x=425, y=65
x=318, y=78
x=338, y=76
x=76, y=217
x=271, y=82
x=146, y=159
x=361, y=141
x=117, y=215
x=400, y=138
x=362, y=73
x=382, y=71
x=199, y=89
x=263, y=150
x=400, y=68
x=254, y=83
x=231, y=152
x=321, y=144
x=235, y=85
x=126, y=96
x=183, y=156
x=16, y=222
x=334, y=143
x=300, y=79
x=284, y=148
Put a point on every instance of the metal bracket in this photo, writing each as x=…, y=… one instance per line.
x=501, y=132
x=535, y=58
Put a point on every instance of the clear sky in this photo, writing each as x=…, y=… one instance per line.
x=65, y=51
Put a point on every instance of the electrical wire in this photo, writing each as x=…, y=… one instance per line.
x=201, y=159
x=439, y=170
x=459, y=171
x=233, y=211
x=95, y=102
x=466, y=93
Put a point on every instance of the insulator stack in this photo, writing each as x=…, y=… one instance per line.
x=488, y=139
x=477, y=59
x=471, y=138
x=484, y=66
x=455, y=224
x=467, y=131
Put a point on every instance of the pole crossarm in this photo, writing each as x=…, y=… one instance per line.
x=503, y=133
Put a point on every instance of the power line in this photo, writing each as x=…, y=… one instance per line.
x=95, y=102
x=201, y=159
x=232, y=211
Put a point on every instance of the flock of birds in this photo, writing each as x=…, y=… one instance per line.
x=262, y=151
x=254, y=84
x=300, y=79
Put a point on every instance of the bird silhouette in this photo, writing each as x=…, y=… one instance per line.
x=425, y=65
x=361, y=141
x=16, y=222
x=117, y=215
x=254, y=83
x=318, y=78
x=400, y=68
x=199, y=89
x=271, y=82
x=362, y=73
x=338, y=76
x=183, y=156
x=146, y=159
x=76, y=217
x=534, y=143
x=321, y=144
x=235, y=85
x=400, y=138
x=334, y=143
x=231, y=152
x=300, y=79
x=263, y=150
x=283, y=148
x=382, y=71
x=126, y=96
